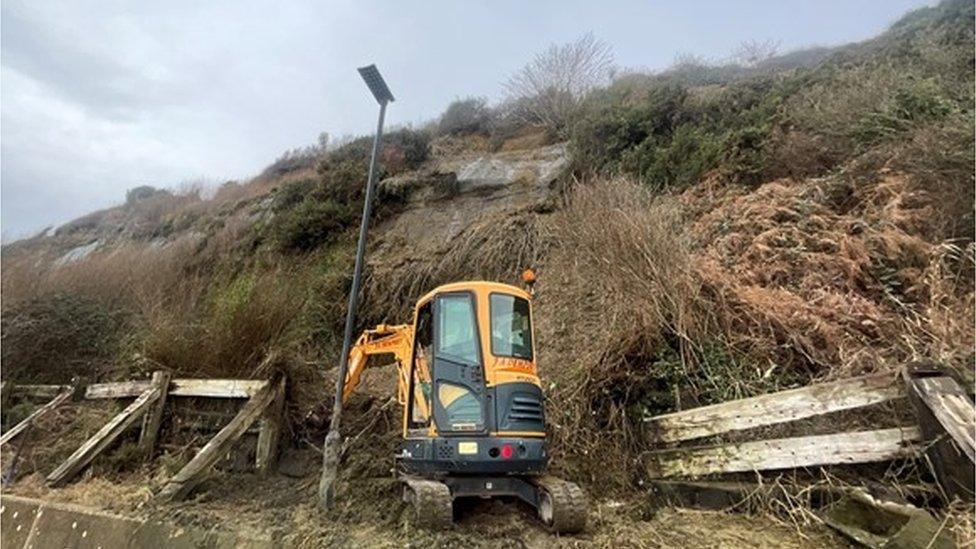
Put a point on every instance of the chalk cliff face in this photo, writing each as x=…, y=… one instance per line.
x=452, y=194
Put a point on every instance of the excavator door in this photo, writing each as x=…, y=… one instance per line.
x=458, y=372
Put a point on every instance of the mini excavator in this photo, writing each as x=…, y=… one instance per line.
x=473, y=408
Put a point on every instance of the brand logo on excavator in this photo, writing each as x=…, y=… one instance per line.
x=515, y=364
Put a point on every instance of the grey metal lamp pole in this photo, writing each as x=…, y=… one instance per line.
x=330, y=452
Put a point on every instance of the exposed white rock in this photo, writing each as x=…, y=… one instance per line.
x=537, y=167
x=77, y=254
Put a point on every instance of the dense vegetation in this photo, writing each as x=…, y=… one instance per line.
x=904, y=100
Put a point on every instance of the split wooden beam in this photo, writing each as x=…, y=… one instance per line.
x=212, y=388
x=58, y=400
x=270, y=430
x=785, y=453
x=103, y=438
x=774, y=408
x=119, y=389
x=952, y=408
x=947, y=418
x=6, y=390
x=217, y=388
x=153, y=418
x=727, y=495
x=39, y=391
x=193, y=473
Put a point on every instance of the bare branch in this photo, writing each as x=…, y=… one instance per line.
x=753, y=52
x=550, y=89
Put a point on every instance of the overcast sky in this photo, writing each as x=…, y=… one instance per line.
x=98, y=97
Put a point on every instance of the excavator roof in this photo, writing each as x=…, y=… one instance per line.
x=475, y=285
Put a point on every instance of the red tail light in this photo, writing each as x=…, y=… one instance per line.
x=507, y=451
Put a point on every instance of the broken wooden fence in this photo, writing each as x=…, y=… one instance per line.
x=264, y=405
x=60, y=398
x=945, y=412
x=780, y=453
x=947, y=418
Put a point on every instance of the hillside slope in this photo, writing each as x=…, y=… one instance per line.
x=701, y=234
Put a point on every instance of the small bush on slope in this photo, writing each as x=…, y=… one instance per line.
x=466, y=116
x=312, y=213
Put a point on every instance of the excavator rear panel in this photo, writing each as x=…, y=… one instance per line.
x=475, y=403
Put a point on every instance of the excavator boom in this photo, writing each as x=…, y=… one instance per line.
x=393, y=341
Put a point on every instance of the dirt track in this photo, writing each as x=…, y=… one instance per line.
x=284, y=508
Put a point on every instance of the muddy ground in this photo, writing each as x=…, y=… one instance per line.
x=370, y=514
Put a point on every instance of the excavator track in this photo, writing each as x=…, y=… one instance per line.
x=562, y=505
x=432, y=502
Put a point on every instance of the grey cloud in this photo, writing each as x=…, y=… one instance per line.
x=29, y=45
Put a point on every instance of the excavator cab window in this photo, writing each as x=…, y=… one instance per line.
x=457, y=339
x=511, y=329
x=422, y=360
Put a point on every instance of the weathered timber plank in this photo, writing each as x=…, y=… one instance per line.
x=270, y=431
x=747, y=496
x=154, y=417
x=951, y=406
x=773, y=408
x=102, y=439
x=20, y=427
x=187, y=478
x=945, y=416
x=40, y=391
x=6, y=389
x=120, y=389
x=785, y=453
x=216, y=388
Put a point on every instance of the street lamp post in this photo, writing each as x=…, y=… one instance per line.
x=330, y=451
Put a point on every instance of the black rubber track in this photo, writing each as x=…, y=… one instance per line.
x=432, y=503
x=569, y=504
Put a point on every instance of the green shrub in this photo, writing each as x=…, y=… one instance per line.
x=915, y=104
x=666, y=137
x=744, y=154
x=143, y=192
x=612, y=126
x=466, y=116
x=311, y=223
x=680, y=160
x=344, y=171
x=310, y=213
x=292, y=194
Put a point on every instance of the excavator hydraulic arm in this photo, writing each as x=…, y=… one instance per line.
x=394, y=341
